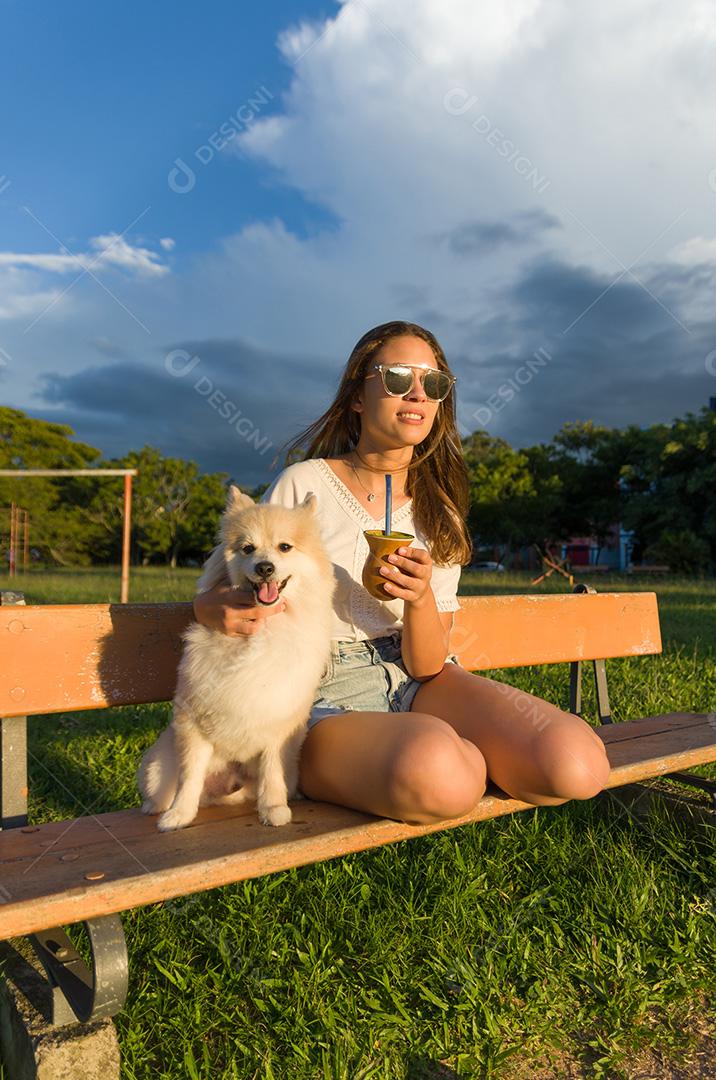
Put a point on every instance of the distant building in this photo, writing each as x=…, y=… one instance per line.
x=615, y=552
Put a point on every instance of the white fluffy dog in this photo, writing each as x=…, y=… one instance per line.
x=242, y=703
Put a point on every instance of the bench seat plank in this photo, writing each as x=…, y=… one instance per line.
x=42, y=872
x=654, y=745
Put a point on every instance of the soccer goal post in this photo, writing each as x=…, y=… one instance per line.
x=127, y=513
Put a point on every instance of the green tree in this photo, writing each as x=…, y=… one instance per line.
x=587, y=458
x=507, y=506
x=200, y=530
x=56, y=520
x=175, y=510
x=669, y=486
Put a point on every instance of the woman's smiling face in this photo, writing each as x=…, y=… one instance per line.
x=383, y=415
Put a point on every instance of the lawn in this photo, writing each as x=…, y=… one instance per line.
x=570, y=941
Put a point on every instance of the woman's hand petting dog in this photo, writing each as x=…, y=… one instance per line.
x=233, y=612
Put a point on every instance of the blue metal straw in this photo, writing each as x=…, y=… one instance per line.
x=388, y=502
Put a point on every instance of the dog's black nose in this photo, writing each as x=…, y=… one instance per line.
x=265, y=569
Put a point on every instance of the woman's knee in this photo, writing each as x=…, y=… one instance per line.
x=573, y=764
x=434, y=775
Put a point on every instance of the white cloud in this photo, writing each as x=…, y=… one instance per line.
x=23, y=302
x=114, y=250
x=111, y=249
x=59, y=264
x=409, y=121
x=696, y=250
x=295, y=41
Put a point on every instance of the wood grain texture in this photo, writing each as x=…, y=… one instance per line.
x=43, y=880
x=66, y=657
x=512, y=631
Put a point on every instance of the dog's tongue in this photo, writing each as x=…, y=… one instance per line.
x=268, y=592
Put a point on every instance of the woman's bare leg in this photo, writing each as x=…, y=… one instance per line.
x=533, y=750
x=408, y=766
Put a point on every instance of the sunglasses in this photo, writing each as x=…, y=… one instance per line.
x=399, y=380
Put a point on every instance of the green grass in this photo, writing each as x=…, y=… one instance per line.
x=582, y=932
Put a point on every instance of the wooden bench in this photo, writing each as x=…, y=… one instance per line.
x=59, y=658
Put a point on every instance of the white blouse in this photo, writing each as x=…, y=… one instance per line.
x=342, y=519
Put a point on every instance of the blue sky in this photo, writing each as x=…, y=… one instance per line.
x=535, y=183
x=105, y=98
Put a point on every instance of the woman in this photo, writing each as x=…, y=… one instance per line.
x=399, y=728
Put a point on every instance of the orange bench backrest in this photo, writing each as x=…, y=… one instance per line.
x=66, y=657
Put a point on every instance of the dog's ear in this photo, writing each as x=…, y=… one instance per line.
x=310, y=502
x=236, y=499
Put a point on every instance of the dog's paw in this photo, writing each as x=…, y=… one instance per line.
x=172, y=819
x=156, y=805
x=275, y=815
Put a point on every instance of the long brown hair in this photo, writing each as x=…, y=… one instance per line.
x=437, y=479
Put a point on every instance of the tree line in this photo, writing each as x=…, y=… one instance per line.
x=659, y=481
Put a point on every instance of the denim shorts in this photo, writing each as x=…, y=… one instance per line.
x=366, y=676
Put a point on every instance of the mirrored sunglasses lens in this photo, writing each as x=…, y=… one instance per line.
x=398, y=380
x=437, y=385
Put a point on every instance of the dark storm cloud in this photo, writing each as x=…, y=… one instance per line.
x=560, y=297
x=480, y=237
x=573, y=345
x=562, y=344
x=227, y=405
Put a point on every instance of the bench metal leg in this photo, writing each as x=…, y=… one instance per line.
x=31, y=1047
x=600, y=682
x=13, y=771
x=77, y=992
x=13, y=754
x=600, y=679
x=701, y=782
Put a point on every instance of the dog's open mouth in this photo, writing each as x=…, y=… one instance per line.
x=268, y=592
